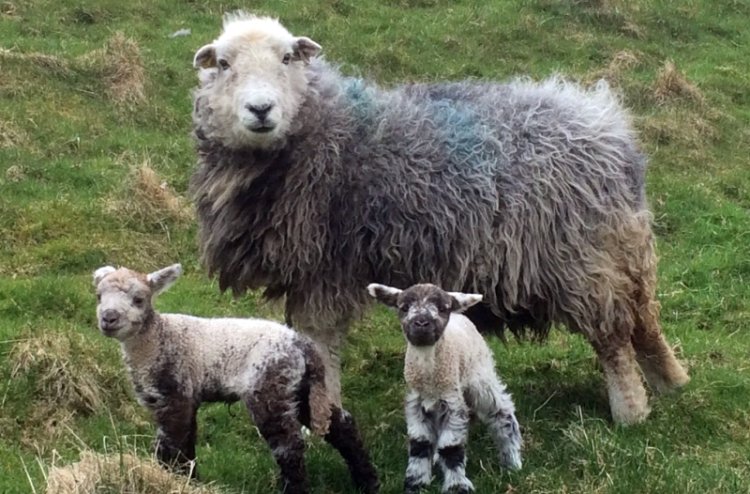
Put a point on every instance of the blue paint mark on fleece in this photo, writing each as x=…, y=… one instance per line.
x=462, y=132
x=361, y=99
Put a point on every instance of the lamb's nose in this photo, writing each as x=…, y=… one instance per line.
x=110, y=316
x=260, y=111
x=421, y=322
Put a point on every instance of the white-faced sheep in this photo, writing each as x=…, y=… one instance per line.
x=177, y=362
x=313, y=184
x=450, y=374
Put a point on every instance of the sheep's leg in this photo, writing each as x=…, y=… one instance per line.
x=176, y=435
x=496, y=409
x=328, y=342
x=451, y=441
x=344, y=436
x=422, y=437
x=627, y=396
x=657, y=361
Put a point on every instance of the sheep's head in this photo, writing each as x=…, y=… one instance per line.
x=424, y=310
x=125, y=298
x=253, y=79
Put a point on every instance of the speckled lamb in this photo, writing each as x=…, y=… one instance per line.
x=177, y=362
x=450, y=374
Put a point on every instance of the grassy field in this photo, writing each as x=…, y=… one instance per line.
x=95, y=157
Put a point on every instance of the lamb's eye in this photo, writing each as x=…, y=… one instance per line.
x=138, y=301
x=223, y=64
x=287, y=58
x=403, y=308
x=98, y=297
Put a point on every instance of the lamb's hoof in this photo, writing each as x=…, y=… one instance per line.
x=630, y=415
x=370, y=485
x=412, y=486
x=511, y=460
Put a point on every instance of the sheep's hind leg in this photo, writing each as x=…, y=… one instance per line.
x=497, y=410
x=451, y=441
x=422, y=439
x=345, y=437
x=627, y=396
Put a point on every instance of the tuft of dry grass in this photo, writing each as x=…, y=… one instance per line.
x=617, y=68
x=672, y=84
x=119, y=472
x=43, y=61
x=148, y=198
x=64, y=376
x=120, y=65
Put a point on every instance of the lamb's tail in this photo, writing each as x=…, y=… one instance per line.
x=320, y=402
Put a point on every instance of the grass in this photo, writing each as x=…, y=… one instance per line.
x=95, y=158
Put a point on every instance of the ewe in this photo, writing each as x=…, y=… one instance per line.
x=313, y=184
x=178, y=362
x=450, y=374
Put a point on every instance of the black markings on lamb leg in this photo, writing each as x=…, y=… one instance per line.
x=344, y=436
x=420, y=448
x=175, y=442
x=452, y=456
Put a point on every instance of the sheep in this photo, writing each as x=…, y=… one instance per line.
x=312, y=184
x=177, y=362
x=450, y=374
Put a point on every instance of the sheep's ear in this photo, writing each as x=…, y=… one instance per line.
x=163, y=279
x=100, y=273
x=385, y=294
x=462, y=301
x=205, y=58
x=304, y=49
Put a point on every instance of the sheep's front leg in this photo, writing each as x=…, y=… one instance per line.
x=176, y=435
x=422, y=437
x=451, y=442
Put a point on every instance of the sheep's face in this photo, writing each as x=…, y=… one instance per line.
x=125, y=298
x=424, y=310
x=253, y=79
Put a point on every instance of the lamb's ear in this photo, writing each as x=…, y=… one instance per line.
x=100, y=273
x=385, y=294
x=462, y=301
x=304, y=49
x=205, y=58
x=163, y=279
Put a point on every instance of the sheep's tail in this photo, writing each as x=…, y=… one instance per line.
x=319, y=400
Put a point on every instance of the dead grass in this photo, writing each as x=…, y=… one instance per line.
x=671, y=84
x=120, y=65
x=121, y=473
x=148, y=198
x=43, y=61
x=617, y=69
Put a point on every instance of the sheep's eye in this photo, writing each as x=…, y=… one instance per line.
x=138, y=301
x=403, y=308
x=223, y=64
x=98, y=297
x=287, y=58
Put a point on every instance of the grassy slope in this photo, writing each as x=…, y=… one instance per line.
x=67, y=151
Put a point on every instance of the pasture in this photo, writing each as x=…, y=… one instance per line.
x=95, y=160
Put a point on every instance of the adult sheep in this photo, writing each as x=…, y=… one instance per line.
x=313, y=184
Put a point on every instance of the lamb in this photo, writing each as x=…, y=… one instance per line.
x=177, y=362
x=312, y=184
x=450, y=373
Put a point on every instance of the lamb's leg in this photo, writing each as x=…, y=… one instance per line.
x=422, y=439
x=496, y=409
x=274, y=408
x=176, y=435
x=344, y=436
x=451, y=442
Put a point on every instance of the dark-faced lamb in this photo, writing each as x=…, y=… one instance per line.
x=450, y=374
x=312, y=184
x=177, y=362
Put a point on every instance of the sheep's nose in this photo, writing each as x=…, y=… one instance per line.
x=260, y=111
x=110, y=316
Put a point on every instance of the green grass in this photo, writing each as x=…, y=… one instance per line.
x=68, y=151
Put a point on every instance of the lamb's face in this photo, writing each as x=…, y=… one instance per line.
x=125, y=298
x=424, y=309
x=253, y=79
